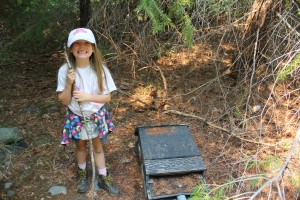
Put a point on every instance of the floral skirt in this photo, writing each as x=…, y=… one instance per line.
x=73, y=125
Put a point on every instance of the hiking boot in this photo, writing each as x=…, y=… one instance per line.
x=106, y=183
x=82, y=186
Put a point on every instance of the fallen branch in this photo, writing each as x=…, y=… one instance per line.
x=195, y=89
x=194, y=116
x=164, y=83
x=231, y=133
x=283, y=167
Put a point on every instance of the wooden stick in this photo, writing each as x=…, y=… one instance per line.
x=194, y=116
x=164, y=83
x=87, y=130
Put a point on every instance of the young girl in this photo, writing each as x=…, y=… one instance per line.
x=84, y=91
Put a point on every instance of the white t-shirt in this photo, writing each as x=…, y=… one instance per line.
x=87, y=81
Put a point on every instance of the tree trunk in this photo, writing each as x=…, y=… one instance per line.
x=85, y=12
x=257, y=18
x=260, y=18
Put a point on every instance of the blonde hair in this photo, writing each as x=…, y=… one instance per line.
x=97, y=63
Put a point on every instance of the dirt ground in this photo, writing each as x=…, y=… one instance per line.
x=29, y=102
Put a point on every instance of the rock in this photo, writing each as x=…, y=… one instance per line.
x=10, y=193
x=9, y=135
x=11, y=141
x=8, y=185
x=55, y=190
x=256, y=108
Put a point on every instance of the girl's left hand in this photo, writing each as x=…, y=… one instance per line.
x=80, y=96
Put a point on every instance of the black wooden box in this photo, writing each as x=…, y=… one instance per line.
x=168, y=153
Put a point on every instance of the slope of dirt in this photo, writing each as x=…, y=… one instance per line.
x=29, y=102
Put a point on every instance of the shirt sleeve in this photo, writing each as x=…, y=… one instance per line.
x=108, y=82
x=61, y=78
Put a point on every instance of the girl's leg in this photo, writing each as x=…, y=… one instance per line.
x=98, y=154
x=81, y=152
x=82, y=185
x=104, y=179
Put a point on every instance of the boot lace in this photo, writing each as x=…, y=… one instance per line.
x=82, y=174
x=108, y=180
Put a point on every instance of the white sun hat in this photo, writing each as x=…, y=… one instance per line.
x=81, y=34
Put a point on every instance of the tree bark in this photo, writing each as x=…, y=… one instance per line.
x=257, y=16
x=260, y=18
x=85, y=12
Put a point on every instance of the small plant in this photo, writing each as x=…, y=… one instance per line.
x=295, y=181
x=188, y=31
x=201, y=191
x=272, y=162
x=294, y=64
x=237, y=109
x=254, y=182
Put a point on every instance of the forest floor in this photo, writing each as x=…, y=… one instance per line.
x=29, y=102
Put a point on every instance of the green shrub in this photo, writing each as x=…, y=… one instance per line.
x=294, y=64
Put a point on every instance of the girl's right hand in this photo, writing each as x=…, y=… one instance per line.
x=71, y=75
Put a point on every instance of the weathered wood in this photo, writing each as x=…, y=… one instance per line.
x=258, y=14
x=174, y=166
x=174, y=142
x=167, y=151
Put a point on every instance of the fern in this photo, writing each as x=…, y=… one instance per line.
x=188, y=32
x=177, y=12
x=155, y=13
x=178, y=8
